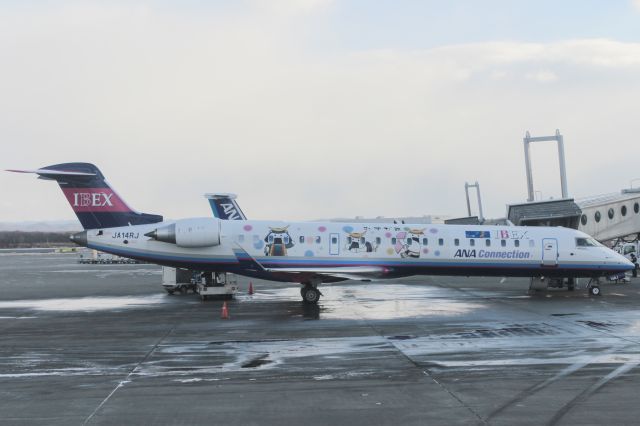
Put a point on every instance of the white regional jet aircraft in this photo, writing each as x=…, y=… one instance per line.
x=311, y=253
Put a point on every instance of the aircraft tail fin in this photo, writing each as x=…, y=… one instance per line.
x=94, y=202
x=225, y=206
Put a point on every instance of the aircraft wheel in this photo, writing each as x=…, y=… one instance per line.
x=170, y=292
x=594, y=291
x=310, y=294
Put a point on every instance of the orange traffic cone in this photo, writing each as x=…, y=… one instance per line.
x=250, y=288
x=225, y=311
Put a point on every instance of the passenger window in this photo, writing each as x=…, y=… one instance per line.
x=516, y=243
x=318, y=240
x=456, y=242
x=503, y=243
x=256, y=237
x=241, y=238
x=440, y=242
x=425, y=241
x=597, y=216
x=378, y=240
x=487, y=242
x=301, y=238
x=583, y=219
x=472, y=242
x=393, y=241
x=532, y=243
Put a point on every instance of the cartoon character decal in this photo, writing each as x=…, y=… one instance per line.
x=278, y=241
x=357, y=243
x=408, y=243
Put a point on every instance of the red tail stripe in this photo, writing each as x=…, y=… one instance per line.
x=94, y=200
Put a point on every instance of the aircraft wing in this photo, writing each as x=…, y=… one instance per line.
x=342, y=272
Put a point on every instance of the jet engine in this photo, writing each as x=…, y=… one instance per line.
x=190, y=233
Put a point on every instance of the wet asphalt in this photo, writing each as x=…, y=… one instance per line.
x=103, y=344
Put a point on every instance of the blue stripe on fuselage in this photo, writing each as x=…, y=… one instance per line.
x=270, y=262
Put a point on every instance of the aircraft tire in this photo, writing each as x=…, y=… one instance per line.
x=595, y=291
x=310, y=294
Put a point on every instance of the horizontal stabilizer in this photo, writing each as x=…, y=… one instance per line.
x=52, y=173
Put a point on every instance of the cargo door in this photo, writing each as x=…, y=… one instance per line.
x=549, y=252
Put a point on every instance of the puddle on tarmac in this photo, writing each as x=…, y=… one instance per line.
x=87, y=304
x=376, y=301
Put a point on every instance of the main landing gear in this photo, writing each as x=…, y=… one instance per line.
x=310, y=293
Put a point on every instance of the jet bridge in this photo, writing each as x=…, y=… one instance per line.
x=605, y=217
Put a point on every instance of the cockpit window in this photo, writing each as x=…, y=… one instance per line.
x=586, y=242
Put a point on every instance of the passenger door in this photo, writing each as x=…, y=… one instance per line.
x=334, y=244
x=549, y=252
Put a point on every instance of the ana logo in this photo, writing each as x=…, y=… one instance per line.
x=465, y=253
x=92, y=199
x=231, y=211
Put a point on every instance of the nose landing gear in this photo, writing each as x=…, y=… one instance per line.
x=594, y=287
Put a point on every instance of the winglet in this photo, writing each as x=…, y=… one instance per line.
x=246, y=260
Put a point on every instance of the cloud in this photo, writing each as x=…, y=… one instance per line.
x=172, y=105
x=542, y=76
x=636, y=4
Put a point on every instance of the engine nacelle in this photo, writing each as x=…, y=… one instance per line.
x=190, y=233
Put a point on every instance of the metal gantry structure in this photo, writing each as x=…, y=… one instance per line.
x=528, y=139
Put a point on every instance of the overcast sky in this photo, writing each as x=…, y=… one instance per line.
x=317, y=108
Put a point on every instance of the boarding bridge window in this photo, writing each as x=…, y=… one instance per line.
x=301, y=239
x=610, y=213
x=472, y=242
x=516, y=243
x=597, y=216
x=456, y=242
x=503, y=243
x=583, y=219
x=487, y=243
x=586, y=242
x=629, y=249
x=532, y=243
x=440, y=241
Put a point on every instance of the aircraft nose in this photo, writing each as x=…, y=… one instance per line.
x=79, y=238
x=626, y=262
